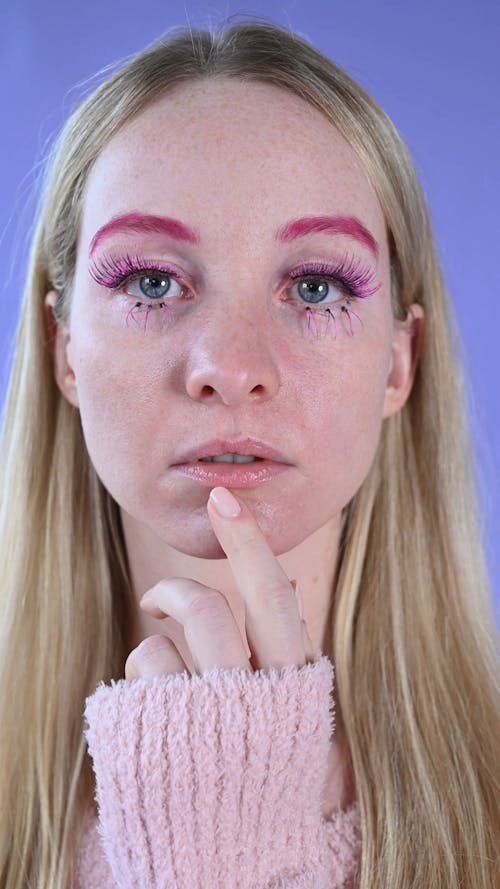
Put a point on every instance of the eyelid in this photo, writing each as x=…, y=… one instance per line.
x=347, y=273
x=347, y=263
x=114, y=272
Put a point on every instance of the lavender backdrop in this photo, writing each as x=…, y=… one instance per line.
x=433, y=66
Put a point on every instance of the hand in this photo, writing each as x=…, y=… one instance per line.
x=276, y=634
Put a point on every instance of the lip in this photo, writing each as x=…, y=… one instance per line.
x=232, y=475
x=244, y=446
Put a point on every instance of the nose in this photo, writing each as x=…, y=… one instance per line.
x=231, y=361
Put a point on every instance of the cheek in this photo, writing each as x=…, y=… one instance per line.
x=118, y=400
x=341, y=417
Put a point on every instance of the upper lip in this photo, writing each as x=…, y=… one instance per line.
x=245, y=446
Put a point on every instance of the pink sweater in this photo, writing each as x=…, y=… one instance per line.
x=215, y=782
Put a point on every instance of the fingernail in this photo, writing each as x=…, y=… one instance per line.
x=224, y=502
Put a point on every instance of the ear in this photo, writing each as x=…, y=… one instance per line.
x=60, y=339
x=407, y=343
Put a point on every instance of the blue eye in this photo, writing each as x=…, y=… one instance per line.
x=153, y=286
x=347, y=278
x=315, y=290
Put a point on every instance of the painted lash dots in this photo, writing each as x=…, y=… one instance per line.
x=320, y=317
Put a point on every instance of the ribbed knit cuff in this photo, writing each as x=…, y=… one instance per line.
x=213, y=780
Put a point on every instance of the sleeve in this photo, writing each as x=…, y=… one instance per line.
x=214, y=780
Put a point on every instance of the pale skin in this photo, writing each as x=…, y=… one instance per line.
x=235, y=161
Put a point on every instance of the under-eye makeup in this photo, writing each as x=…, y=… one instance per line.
x=156, y=285
x=321, y=294
x=329, y=291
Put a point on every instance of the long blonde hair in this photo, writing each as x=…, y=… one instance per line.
x=411, y=629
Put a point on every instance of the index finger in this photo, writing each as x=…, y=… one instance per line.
x=272, y=620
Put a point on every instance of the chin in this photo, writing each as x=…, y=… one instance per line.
x=199, y=549
x=189, y=531
x=201, y=542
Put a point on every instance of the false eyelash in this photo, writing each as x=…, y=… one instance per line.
x=314, y=315
x=347, y=274
x=113, y=272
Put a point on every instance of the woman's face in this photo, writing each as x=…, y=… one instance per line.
x=222, y=343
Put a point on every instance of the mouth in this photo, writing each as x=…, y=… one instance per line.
x=231, y=458
x=246, y=463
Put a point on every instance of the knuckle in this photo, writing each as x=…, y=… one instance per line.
x=152, y=646
x=208, y=603
x=248, y=543
x=278, y=596
x=155, y=656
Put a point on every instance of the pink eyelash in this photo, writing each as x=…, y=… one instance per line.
x=165, y=311
x=347, y=275
x=314, y=314
x=113, y=272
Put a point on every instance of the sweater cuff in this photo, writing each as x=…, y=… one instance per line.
x=212, y=780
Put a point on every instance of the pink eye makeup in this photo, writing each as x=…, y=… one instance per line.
x=161, y=288
x=346, y=277
x=321, y=293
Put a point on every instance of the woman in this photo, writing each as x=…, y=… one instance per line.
x=223, y=393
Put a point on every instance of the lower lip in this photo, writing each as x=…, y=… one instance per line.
x=232, y=475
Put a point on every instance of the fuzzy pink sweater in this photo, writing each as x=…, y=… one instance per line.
x=215, y=782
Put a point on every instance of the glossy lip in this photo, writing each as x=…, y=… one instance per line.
x=244, y=446
x=232, y=475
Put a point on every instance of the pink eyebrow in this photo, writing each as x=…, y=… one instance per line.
x=341, y=225
x=174, y=228
x=139, y=222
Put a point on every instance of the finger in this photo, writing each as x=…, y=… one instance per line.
x=155, y=656
x=272, y=620
x=306, y=639
x=210, y=629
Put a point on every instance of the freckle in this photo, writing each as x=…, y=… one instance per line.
x=315, y=579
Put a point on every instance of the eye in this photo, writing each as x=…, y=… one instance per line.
x=326, y=283
x=316, y=290
x=138, y=278
x=154, y=285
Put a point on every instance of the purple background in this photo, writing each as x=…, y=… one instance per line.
x=433, y=66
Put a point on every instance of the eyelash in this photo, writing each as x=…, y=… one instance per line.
x=347, y=275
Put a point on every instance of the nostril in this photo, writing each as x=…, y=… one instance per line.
x=207, y=390
x=231, y=383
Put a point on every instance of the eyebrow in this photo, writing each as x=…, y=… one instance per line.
x=139, y=223
x=334, y=225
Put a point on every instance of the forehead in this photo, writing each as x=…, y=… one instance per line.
x=245, y=155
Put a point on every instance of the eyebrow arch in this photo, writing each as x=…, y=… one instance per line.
x=296, y=228
x=139, y=223
x=342, y=225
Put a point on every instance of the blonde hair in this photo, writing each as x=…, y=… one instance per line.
x=410, y=629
